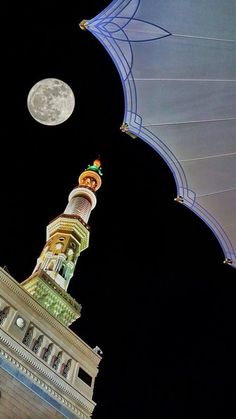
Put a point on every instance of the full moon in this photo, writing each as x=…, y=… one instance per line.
x=51, y=101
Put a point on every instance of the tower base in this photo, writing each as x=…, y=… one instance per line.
x=51, y=296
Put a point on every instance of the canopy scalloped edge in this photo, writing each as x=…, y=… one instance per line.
x=109, y=28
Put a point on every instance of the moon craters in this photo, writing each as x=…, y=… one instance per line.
x=51, y=101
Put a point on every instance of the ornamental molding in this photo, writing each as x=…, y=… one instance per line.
x=21, y=354
x=51, y=296
x=52, y=284
x=88, y=192
x=72, y=225
x=75, y=344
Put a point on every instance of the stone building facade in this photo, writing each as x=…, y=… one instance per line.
x=46, y=371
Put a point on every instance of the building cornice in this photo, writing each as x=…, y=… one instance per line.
x=50, y=295
x=75, y=345
x=70, y=224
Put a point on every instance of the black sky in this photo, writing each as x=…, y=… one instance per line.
x=156, y=296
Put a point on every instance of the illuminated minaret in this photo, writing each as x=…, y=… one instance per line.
x=46, y=369
x=67, y=236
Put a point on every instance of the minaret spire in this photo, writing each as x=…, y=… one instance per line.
x=82, y=199
x=67, y=236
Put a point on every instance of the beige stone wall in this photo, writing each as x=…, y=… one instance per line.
x=18, y=402
x=22, y=304
x=70, y=390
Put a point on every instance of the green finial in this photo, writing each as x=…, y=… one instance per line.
x=96, y=166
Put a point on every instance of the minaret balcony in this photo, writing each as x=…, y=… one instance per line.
x=70, y=224
x=52, y=297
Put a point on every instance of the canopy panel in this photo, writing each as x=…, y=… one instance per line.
x=177, y=63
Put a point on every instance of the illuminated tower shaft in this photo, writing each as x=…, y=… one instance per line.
x=55, y=370
x=68, y=234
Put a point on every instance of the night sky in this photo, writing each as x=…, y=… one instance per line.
x=156, y=296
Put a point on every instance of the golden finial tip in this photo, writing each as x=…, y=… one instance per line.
x=97, y=162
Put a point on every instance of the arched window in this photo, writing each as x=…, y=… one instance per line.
x=28, y=337
x=47, y=352
x=61, y=271
x=57, y=361
x=4, y=314
x=70, y=254
x=66, y=368
x=37, y=344
x=51, y=266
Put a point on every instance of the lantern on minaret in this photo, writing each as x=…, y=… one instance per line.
x=82, y=199
x=67, y=237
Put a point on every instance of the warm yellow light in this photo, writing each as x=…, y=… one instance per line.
x=97, y=163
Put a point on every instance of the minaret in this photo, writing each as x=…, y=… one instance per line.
x=46, y=369
x=67, y=237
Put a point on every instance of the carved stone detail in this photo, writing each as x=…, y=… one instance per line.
x=3, y=314
x=8, y=283
x=57, y=361
x=37, y=344
x=43, y=371
x=47, y=352
x=66, y=368
x=51, y=296
x=28, y=337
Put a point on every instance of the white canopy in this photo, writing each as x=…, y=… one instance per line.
x=177, y=63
